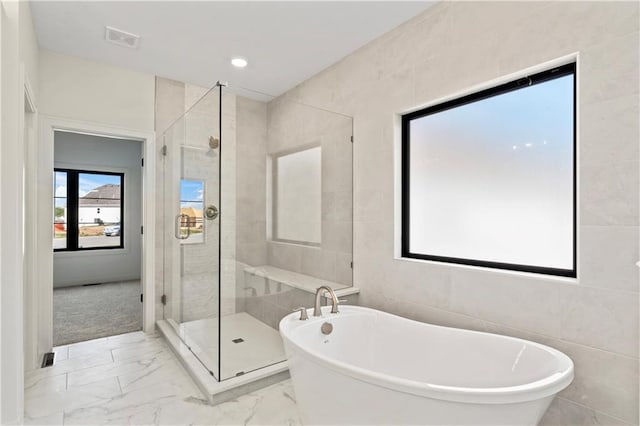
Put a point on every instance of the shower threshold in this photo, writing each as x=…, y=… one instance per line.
x=216, y=391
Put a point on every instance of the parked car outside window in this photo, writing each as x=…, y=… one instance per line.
x=112, y=231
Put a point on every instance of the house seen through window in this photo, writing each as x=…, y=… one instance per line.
x=191, y=209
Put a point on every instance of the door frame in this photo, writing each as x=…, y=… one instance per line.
x=44, y=241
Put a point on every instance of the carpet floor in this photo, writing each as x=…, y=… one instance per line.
x=88, y=312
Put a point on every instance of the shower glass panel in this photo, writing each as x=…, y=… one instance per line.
x=257, y=214
x=289, y=237
x=191, y=237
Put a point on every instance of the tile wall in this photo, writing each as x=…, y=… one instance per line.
x=291, y=125
x=264, y=129
x=449, y=48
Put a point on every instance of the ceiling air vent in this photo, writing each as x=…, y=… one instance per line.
x=121, y=38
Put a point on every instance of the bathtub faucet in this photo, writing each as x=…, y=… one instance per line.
x=334, y=300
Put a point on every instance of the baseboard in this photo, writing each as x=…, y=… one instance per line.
x=89, y=282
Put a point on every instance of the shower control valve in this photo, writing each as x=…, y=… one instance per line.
x=211, y=212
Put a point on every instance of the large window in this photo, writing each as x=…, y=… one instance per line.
x=488, y=179
x=88, y=210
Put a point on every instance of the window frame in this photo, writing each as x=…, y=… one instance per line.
x=513, y=85
x=73, y=204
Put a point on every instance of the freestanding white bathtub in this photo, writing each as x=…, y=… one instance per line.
x=378, y=368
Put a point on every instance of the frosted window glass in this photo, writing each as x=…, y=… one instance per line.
x=492, y=180
x=298, y=197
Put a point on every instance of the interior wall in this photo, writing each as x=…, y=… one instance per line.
x=169, y=106
x=11, y=394
x=87, y=152
x=75, y=88
x=28, y=46
x=18, y=63
x=251, y=201
x=251, y=185
x=93, y=95
x=29, y=53
x=447, y=49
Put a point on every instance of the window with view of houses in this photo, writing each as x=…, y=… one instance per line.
x=88, y=210
x=191, y=208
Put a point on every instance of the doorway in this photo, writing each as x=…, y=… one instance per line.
x=97, y=236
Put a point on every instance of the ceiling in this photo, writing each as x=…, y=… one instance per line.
x=285, y=42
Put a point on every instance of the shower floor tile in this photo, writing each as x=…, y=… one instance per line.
x=247, y=343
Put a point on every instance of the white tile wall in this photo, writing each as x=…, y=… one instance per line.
x=447, y=49
x=290, y=125
x=251, y=182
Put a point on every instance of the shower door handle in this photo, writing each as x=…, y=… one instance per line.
x=179, y=218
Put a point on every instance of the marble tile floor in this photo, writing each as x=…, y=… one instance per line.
x=135, y=379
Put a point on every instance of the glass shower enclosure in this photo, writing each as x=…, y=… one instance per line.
x=191, y=240
x=240, y=249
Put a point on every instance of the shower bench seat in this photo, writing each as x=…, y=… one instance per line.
x=298, y=281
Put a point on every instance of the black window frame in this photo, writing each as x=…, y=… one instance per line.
x=520, y=83
x=73, y=204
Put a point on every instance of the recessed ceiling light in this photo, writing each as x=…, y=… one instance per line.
x=239, y=62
